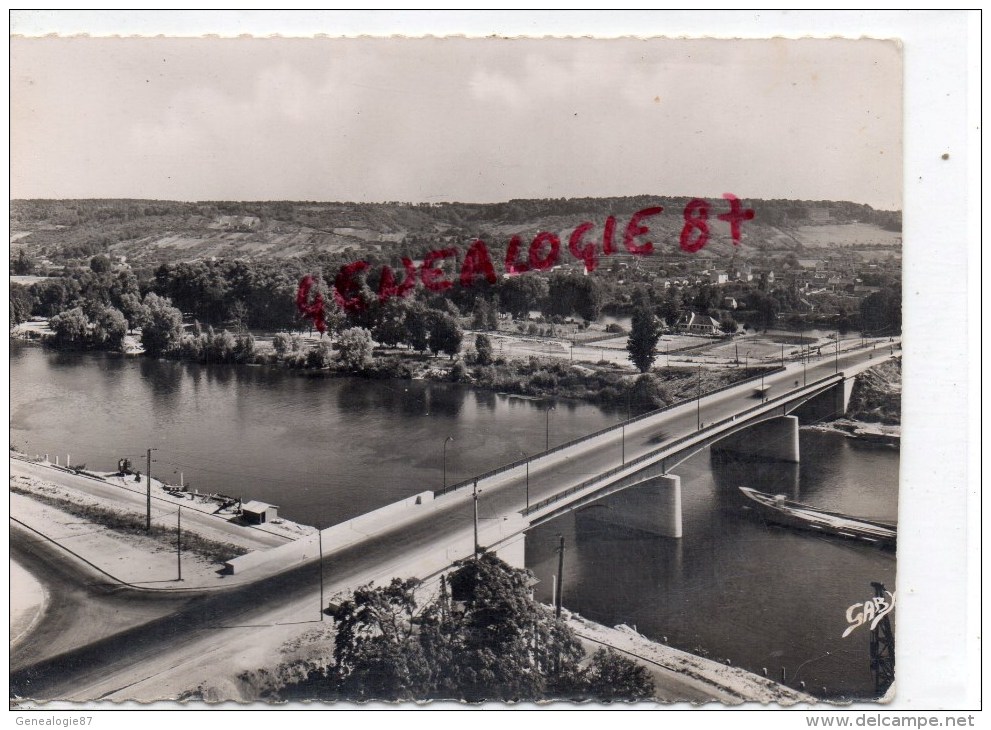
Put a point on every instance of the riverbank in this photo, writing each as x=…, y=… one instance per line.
x=545, y=377
x=875, y=409
x=100, y=520
x=699, y=680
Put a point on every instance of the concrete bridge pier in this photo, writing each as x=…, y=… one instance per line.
x=652, y=505
x=775, y=439
x=513, y=553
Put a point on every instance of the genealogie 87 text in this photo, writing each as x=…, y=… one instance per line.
x=543, y=252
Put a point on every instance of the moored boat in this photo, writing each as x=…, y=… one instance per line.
x=780, y=510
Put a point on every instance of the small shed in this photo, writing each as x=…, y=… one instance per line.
x=259, y=512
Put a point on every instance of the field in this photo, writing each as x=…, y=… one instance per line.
x=850, y=234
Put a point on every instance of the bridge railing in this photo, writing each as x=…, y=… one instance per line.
x=653, y=454
x=596, y=434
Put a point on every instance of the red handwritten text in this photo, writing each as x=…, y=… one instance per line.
x=543, y=253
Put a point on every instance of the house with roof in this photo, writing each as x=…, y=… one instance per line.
x=694, y=323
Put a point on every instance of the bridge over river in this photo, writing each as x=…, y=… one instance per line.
x=635, y=457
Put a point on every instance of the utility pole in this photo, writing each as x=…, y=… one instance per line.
x=449, y=438
x=547, y=428
x=148, y=492
x=782, y=355
x=320, y=550
x=178, y=541
x=624, y=443
x=837, y=351
x=527, y=457
x=698, y=409
x=474, y=495
x=560, y=579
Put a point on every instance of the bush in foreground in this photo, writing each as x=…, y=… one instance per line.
x=484, y=639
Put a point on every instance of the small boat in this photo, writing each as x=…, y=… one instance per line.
x=782, y=511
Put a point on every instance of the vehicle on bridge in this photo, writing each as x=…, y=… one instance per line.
x=760, y=391
x=787, y=512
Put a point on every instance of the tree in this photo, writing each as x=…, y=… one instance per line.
x=644, y=334
x=483, y=346
x=377, y=651
x=285, y=345
x=570, y=294
x=670, y=307
x=486, y=640
x=727, y=324
x=244, y=348
x=391, y=329
x=445, y=334
x=163, y=327
x=881, y=312
x=767, y=308
x=99, y=264
x=519, y=294
x=611, y=677
x=355, y=348
x=21, y=304
x=417, y=327
x=22, y=265
x=109, y=327
x=318, y=356
x=70, y=328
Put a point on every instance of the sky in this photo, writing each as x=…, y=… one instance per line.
x=455, y=119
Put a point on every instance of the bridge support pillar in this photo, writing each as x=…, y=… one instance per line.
x=652, y=505
x=843, y=391
x=774, y=440
x=513, y=553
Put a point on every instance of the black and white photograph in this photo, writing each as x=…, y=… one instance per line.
x=489, y=370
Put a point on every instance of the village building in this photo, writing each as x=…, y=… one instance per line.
x=697, y=324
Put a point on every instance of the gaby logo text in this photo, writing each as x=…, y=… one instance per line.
x=869, y=612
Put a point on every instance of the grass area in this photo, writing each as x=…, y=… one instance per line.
x=131, y=524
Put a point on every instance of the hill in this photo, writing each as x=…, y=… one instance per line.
x=150, y=232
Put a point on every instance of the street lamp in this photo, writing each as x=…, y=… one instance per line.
x=698, y=410
x=474, y=496
x=449, y=438
x=527, y=457
x=547, y=427
x=148, y=491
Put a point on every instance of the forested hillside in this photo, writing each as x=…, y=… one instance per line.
x=153, y=232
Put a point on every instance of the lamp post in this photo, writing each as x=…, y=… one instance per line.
x=547, y=427
x=449, y=438
x=148, y=492
x=474, y=496
x=698, y=409
x=837, y=360
x=782, y=355
x=178, y=541
x=527, y=457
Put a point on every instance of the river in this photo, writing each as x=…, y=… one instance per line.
x=327, y=449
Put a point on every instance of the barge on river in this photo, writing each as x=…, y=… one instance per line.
x=782, y=511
